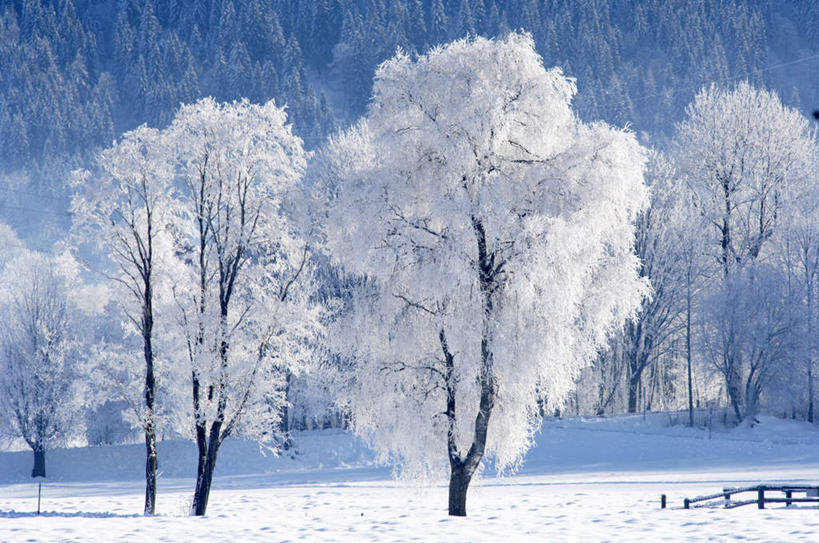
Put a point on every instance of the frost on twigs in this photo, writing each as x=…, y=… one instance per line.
x=750, y=164
x=197, y=224
x=41, y=354
x=242, y=277
x=496, y=231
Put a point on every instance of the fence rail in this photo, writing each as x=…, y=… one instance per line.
x=810, y=492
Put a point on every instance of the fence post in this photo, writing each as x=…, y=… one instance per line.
x=788, y=495
x=760, y=498
x=662, y=501
x=686, y=503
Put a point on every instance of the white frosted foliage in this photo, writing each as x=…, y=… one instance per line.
x=477, y=135
x=41, y=393
x=121, y=210
x=746, y=157
x=239, y=255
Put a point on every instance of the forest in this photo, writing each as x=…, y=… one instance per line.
x=224, y=219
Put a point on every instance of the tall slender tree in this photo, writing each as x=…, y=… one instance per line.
x=122, y=210
x=648, y=338
x=241, y=287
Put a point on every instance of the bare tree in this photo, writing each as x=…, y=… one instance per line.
x=648, y=338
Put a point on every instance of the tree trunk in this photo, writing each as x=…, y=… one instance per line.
x=458, y=485
x=150, y=397
x=202, y=456
x=462, y=469
x=39, y=463
x=810, y=392
x=633, y=389
x=284, y=425
x=733, y=395
x=205, y=477
x=725, y=228
x=150, y=470
x=751, y=397
x=688, y=354
x=214, y=439
x=201, y=424
x=809, y=280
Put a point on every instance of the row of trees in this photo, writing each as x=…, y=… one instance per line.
x=462, y=257
x=729, y=246
x=196, y=220
x=454, y=217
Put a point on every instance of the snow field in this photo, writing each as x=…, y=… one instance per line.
x=586, y=480
x=518, y=509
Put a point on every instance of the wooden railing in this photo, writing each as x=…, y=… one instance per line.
x=810, y=493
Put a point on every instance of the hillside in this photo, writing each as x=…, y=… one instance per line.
x=599, y=445
x=77, y=73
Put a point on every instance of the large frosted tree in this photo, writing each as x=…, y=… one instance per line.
x=497, y=233
x=241, y=279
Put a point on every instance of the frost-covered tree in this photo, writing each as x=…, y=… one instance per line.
x=647, y=339
x=659, y=238
x=241, y=280
x=690, y=250
x=497, y=230
x=751, y=333
x=122, y=211
x=744, y=153
x=746, y=157
x=799, y=250
x=39, y=355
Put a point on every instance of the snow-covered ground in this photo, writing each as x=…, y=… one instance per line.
x=587, y=479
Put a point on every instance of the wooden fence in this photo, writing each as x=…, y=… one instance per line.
x=783, y=494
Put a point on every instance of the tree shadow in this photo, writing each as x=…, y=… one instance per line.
x=57, y=514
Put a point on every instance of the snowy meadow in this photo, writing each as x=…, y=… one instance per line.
x=586, y=480
x=330, y=271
